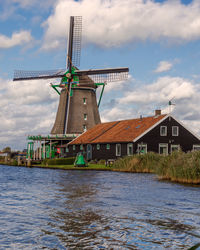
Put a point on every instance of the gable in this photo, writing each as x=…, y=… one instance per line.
x=185, y=137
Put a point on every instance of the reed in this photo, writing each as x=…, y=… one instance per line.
x=138, y=163
x=178, y=166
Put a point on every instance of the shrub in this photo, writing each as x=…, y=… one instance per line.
x=101, y=162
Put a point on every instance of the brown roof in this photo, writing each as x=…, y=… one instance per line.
x=117, y=131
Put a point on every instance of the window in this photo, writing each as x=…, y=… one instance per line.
x=81, y=147
x=84, y=128
x=142, y=148
x=74, y=147
x=196, y=147
x=163, y=148
x=175, y=130
x=98, y=146
x=118, y=149
x=129, y=148
x=66, y=150
x=85, y=117
x=163, y=130
x=108, y=146
x=84, y=100
x=175, y=148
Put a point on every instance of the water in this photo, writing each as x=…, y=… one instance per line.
x=56, y=209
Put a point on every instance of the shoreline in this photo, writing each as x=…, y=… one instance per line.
x=99, y=167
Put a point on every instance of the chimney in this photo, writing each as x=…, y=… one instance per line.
x=157, y=112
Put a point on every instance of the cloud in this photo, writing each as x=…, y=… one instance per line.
x=17, y=38
x=144, y=99
x=116, y=22
x=27, y=108
x=163, y=67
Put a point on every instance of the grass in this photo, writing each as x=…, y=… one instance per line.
x=72, y=167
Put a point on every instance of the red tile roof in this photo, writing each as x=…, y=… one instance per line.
x=117, y=131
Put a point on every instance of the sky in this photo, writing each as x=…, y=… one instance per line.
x=159, y=40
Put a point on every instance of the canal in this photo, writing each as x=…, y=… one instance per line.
x=57, y=209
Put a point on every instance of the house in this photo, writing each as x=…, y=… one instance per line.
x=111, y=140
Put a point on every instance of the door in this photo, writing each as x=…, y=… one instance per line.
x=89, y=152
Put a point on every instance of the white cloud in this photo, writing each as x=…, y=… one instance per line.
x=163, y=67
x=27, y=108
x=115, y=22
x=17, y=38
x=144, y=99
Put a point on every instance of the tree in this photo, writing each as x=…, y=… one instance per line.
x=7, y=150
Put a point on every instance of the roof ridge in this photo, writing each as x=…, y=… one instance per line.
x=144, y=117
x=105, y=131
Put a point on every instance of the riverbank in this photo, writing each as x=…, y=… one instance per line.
x=176, y=167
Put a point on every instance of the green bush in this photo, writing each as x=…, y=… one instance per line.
x=101, y=162
x=59, y=161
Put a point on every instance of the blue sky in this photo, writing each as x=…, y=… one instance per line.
x=159, y=40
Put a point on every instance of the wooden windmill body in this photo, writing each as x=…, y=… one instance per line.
x=83, y=111
x=78, y=108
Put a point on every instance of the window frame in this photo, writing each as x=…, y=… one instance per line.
x=173, y=146
x=84, y=128
x=120, y=149
x=143, y=145
x=108, y=146
x=177, y=131
x=195, y=145
x=85, y=117
x=128, y=153
x=98, y=146
x=161, y=144
x=165, y=130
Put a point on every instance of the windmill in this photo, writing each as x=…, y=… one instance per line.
x=78, y=108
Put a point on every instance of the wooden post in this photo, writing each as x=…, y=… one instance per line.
x=29, y=162
x=44, y=150
x=19, y=163
x=34, y=150
x=40, y=153
x=50, y=150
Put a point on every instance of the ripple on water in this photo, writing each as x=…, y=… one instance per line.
x=57, y=209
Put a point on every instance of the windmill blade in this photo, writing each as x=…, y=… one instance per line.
x=105, y=75
x=74, y=42
x=20, y=75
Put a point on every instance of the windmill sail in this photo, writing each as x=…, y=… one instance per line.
x=20, y=75
x=105, y=75
x=74, y=42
